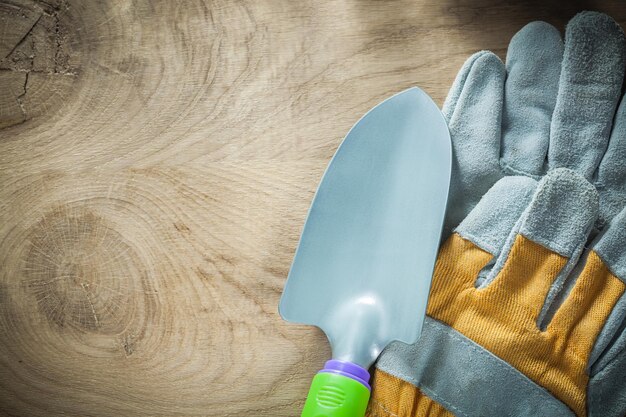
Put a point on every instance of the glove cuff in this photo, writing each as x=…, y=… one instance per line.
x=455, y=372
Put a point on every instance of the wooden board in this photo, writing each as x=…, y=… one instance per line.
x=157, y=162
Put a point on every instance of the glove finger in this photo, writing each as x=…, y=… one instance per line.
x=611, y=180
x=489, y=224
x=562, y=212
x=555, y=225
x=456, y=90
x=473, y=110
x=589, y=90
x=533, y=66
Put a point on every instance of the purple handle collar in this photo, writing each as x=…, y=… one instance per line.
x=349, y=369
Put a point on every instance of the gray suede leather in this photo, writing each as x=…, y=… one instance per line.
x=611, y=176
x=562, y=212
x=551, y=106
x=474, y=112
x=589, y=90
x=559, y=216
x=465, y=378
x=528, y=104
x=490, y=108
x=606, y=393
x=489, y=224
x=611, y=246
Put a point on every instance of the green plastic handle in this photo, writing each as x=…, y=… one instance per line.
x=333, y=395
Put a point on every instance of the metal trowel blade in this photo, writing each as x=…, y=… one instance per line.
x=363, y=267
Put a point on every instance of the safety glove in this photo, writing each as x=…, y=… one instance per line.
x=492, y=345
x=468, y=374
x=550, y=106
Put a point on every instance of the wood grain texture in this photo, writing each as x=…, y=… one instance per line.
x=157, y=162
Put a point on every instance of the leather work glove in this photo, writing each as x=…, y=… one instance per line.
x=522, y=319
x=549, y=107
x=490, y=346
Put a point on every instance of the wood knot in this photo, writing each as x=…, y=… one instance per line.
x=81, y=271
x=39, y=59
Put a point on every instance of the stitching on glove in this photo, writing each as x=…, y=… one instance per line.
x=513, y=171
x=442, y=401
x=550, y=245
x=478, y=242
